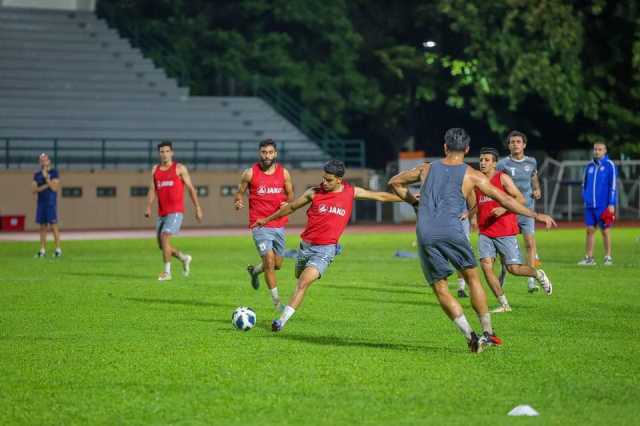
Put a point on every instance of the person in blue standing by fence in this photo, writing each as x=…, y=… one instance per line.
x=45, y=186
x=600, y=196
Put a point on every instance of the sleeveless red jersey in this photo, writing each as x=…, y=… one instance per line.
x=266, y=193
x=169, y=190
x=491, y=226
x=328, y=215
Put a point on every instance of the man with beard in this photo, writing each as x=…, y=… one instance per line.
x=270, y=188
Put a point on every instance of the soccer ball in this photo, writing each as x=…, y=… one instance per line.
x=243, y=318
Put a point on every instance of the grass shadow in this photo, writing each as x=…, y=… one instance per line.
x=378, y=289
x=393, y=302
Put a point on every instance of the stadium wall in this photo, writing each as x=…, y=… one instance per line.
x=124, y=210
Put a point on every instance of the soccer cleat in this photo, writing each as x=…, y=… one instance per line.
x=533, y=287
x=40, y=254
x=544, y=281
x=462, y=293
x=477, y=345
x=186, y=265
x=492, y=339
x=608, y=261
x=276, y=326
x=255, y=281
x=501, y=309
x=164, y=277
x=587, y=261
x=58, y=253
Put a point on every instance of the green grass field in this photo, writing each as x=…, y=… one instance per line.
x=94, y=338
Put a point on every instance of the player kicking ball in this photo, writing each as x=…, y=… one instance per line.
x=270, y=187
x=327, y=217
x=168, y=180
x=498, y=232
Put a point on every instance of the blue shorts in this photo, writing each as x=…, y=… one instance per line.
x=267, y=239
x=169, y=224
x=527, y=225
x=46, y=215
x=319, y=256
x=435, y=256
x=506, y=247
x=592, y=217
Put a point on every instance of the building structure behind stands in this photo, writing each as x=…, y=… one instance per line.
x=71, y=86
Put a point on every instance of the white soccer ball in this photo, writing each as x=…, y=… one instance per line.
x=243, y=318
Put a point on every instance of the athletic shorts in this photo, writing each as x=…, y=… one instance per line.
x=318, y=256
x=506, y=247
x=169, y=224
x=437, y=256
x=592, y=217
x=267, y=239
x=527, y=225
x=46, y=215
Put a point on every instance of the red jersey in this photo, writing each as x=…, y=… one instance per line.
x=169, y=190
x=266, y=193
x=328, y=215
x=491, y=226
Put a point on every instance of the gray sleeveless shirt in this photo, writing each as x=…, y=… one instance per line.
x=441, y=203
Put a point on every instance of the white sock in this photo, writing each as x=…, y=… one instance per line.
x=485, y=321
x=503, y=300
x=42, y=251
x=461, y=283
x=274, y=295
x=288, y=313
x=167, y=268
x=182, y=256
x=464, y=326
x=58, y=250
x=257, y=269
x=532, y=282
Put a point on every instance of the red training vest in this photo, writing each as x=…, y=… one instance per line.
x=491, y=226
x=266, y=193
x=328, y=215
x=169, y=190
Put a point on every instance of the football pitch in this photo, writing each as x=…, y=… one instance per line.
x=94, y=338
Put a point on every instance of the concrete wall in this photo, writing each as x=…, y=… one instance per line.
x=88, y=5
x=125, y=211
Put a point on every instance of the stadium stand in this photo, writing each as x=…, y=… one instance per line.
x=72, y=85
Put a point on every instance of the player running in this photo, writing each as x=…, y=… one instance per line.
x=168, y=180
x=524, y=172
x=270, y=188
x=445, y=186
x=45, y=186
x=498, y=232
x=327, y=216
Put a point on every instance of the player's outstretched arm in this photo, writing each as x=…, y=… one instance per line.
x=245, y=180
x=511, y=189
x=151, y=194
x=400, y=183
x=186, y=178
x=288, y=186
x=477, y=179
x=365, y=194
x=286, y=209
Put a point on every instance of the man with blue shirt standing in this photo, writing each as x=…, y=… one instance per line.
x=45, y=186
x=523, y=170
x=599, y=195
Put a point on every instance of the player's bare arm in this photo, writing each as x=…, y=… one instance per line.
x=288, y=186
x=151, y=194
x=475, y=179
x=400, y=182
x=472, y=207
x=365, y=194
x=183, y=172
x=286, y=209
x=535, y=185
x=245, y=180
x=511, y=189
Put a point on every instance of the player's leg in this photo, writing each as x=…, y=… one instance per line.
x=56, y=238
x=43, y=240
x=306, y=278
x=165, y=243
x=264, y=245
x=606, y=239
x=269, y=267
x=172, y=225
x=590, y=221
x=461, y=285
x=486, y=265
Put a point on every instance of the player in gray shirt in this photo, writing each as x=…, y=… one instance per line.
x=523, y=170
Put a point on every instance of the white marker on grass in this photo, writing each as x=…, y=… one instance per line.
x=523, y=410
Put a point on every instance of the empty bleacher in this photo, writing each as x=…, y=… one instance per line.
x=71, y=85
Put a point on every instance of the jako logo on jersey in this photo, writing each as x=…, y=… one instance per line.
x=264, y=190
x=484, y=199
x=322, y=208
x=164, y=183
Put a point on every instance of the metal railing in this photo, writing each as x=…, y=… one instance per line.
x=105, y=153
